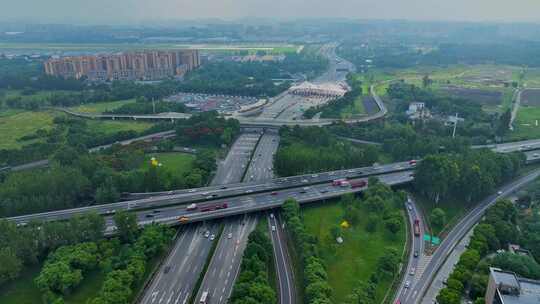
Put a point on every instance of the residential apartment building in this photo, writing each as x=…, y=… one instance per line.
x=147, y=65
x=506, y=287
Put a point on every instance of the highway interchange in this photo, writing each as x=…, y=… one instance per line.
x=250, y=160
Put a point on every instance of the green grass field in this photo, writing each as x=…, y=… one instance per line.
x=22, y=290
x=527, y=124
x=356, y=258
x=178, y=163
x=15, y=124
x=100, y=107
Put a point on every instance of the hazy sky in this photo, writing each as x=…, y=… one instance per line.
x=126, y=11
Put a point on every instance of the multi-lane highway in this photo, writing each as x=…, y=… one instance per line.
x=219, y=280
x=420, y=287
x=175, y=280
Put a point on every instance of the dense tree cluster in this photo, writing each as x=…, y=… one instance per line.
x=403, y=56
x=315, y=284
x=495, y=231
x=468, y=176
x=28, y=245
x=315, y=149
x=403, y=141
x=122, y=260
x=251, y=78
x=252, y=285
x=77, y=178
x=208, y=129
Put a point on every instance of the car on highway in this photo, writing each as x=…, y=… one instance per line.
x=407, y=284
x=274, y=193
x=192, y=190
x=304, y=181
x=149, y=215
x=409, y=206
x=499, y=192
x=315, y=175
x=166, y=269
x=212, y=237
x=413, y=270
x=248, y=191
x=206, y=234
x=416, y=253
x=229, y=236
x=191, y=207
x=273, y=228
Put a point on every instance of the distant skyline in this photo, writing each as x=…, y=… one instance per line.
x=137, y=11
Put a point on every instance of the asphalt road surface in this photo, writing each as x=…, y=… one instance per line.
x=459, y=231
x=413, y=267
x=174, y=281
x=177, y=276
x=225, y=264
x=282, y=259
x=184, y=197
x=231, y=170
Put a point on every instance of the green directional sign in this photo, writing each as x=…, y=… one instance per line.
x=433, y=239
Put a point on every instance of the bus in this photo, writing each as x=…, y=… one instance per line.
x=204, y=298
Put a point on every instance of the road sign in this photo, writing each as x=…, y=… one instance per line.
x=433, y=239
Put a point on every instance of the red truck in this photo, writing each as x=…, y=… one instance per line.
x=214, y=207
x=339, y=182
x=412, y=162
x=358, y=184
x=416, y=227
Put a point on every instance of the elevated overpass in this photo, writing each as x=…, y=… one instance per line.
x=201, y=195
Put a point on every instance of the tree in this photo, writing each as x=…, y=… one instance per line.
x=126, y=224
x=426, y=81
x=11, y=265
x=394, y=223
x=438, y=217
x=448, y=296
x=371, y=224
x=107, y=193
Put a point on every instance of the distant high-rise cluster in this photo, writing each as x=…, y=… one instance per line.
x=147, y=65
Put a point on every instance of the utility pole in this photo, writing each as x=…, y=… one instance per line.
x=455, y=126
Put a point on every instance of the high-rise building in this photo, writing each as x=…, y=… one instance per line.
x=147, y=65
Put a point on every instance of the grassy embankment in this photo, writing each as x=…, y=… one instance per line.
x=357, y=257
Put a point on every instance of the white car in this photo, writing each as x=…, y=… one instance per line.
x=271, y=215
x=207, y=234
x=412, y=271
x=273, y=228
x=407, y=284
x=499, y=192
x=212, y=237
x=229, y=236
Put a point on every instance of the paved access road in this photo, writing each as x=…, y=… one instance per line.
x=282, y=258
x=459, y=231
x=413, y=269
